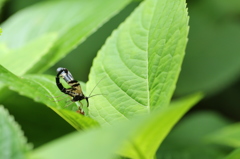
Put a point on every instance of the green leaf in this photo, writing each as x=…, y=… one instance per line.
x=145, y=133
x=43, y=89
x=140, y=62
x=234, y=155
x=91, y=144
x=229, y=136
x=73, y=21
x=186, y=140
x=149, y=132
x=20, y=60
x=12, y=142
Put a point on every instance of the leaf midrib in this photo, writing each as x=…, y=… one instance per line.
x=148, y=88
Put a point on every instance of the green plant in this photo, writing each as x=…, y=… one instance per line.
x=139, y=64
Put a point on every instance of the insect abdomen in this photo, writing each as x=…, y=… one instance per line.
x=65, y=74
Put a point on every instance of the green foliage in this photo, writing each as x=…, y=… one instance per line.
x=212, y=62
x=1, y=3
x=46, y=88
x=142, y=134
x=145, y=139
x=46, y=18
x=188, y=139
x=229, y=136
x=147, y=55
x=134, y=75
x=12, y=142
x=33, y=51
x=234, y=155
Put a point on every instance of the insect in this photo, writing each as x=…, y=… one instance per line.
x=75, y=90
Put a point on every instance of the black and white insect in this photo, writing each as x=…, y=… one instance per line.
x=75, y=90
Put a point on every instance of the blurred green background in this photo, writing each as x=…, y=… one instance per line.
x=211, y=65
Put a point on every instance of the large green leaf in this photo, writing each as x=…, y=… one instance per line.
x=140, y=62
x=13, y=144
x=42, y=88
x=73, y=21
x=229, y=136
x=145, y=134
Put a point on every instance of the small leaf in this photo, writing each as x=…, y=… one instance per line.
x=145, y=133
x=43, y=89
x=229, y=136
x=140, y=62
x=13, y=144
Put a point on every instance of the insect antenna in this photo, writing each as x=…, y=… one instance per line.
x=94, y=88
x=95, y=95
x=70, y=103
x=92, y=91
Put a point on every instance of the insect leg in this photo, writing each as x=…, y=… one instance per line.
x=69, y=104
x=81, y=108
x=87, y=101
